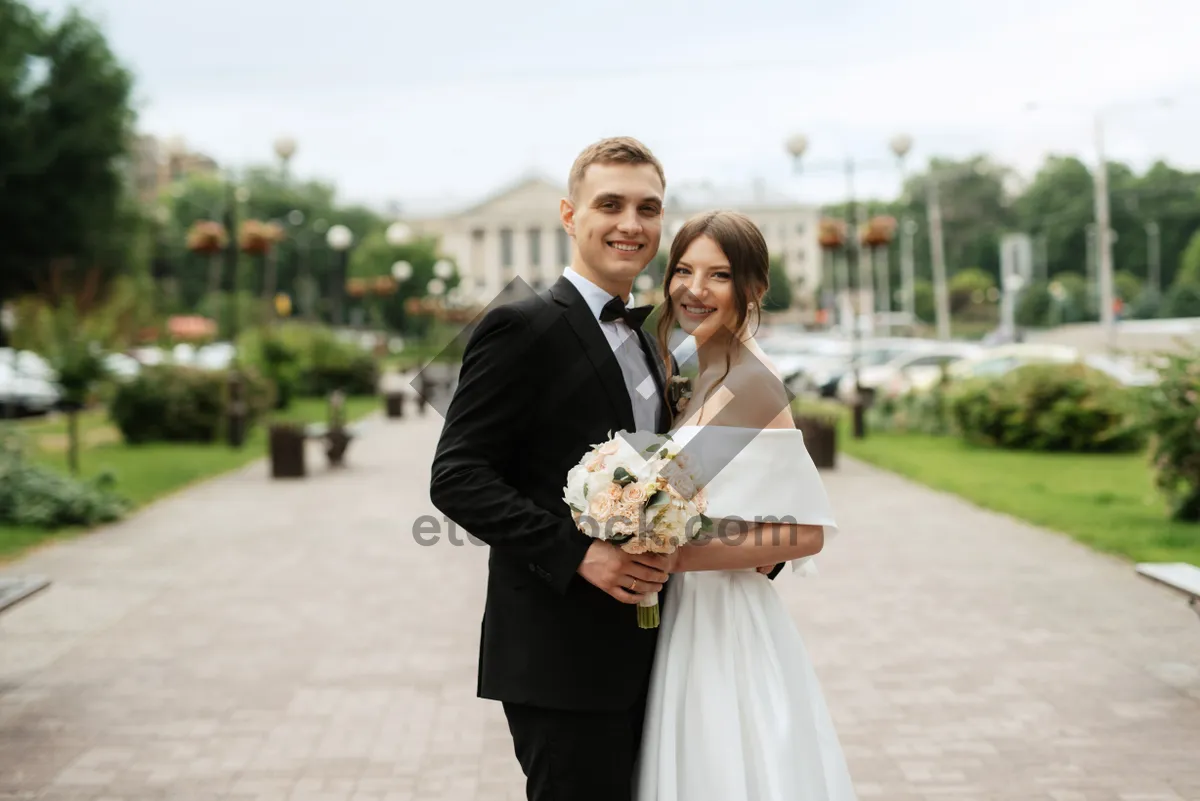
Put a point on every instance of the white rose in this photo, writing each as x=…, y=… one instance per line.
x=598, y=483
x=573, y=494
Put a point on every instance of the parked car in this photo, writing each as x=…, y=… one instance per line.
x=22, y=394
x=923, y=366
x=868, y=353
x=999, y=360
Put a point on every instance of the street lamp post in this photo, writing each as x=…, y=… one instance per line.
x=855, y=219
x=285, y=149
x=908, y=269
x=339, y=240
x=236, y=410
x=937, y=255
x=398, y=234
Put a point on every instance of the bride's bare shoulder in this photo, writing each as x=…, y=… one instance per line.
x=759, y=397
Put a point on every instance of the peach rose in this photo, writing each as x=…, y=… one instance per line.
x=600, y=507
x=596, y=465
x=634, y=493
x=616, y=492
x=626, y=526
x=610, y=448
x=630, y=510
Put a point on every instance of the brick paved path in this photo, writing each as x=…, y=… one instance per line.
x=257, y=640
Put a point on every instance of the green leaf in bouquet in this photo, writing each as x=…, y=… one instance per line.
x=622, y=477
x=657, y=500
x=706, y=523
x=620, y=539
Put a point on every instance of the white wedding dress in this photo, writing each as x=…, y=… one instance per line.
x=735, y=711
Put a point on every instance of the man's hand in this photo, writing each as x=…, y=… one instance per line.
x=625, y=576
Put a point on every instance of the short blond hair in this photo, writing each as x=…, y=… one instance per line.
x=614, y=150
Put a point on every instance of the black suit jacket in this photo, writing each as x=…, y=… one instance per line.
x=539, y=385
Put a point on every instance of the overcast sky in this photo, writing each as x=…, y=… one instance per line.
x=443, y=100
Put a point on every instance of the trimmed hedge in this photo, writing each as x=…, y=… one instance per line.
x=174, y=403
x=1049, y=407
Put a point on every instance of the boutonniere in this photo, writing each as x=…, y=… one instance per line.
x=679, y=391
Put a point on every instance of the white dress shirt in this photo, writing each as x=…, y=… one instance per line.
x=639, y=380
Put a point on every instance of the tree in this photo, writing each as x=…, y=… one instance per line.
x=970, y=288
x=65, y=126
x=71, y=331
x=374, y=257
x=779, y=294
x=1189, y=263
x=976, y=212
x=1183, y=300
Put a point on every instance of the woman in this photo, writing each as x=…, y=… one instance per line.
x=735, y=711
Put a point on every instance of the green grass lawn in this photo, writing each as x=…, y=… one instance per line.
x=1106, y=501
x=148, y=472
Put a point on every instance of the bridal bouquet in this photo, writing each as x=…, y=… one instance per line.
x=639, y=496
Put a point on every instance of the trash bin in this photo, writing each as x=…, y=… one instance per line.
x=394, y=402
x=286, y=443
x=820, y=439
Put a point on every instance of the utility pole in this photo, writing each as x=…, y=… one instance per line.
x=907, y=270
x=1104, y=237
x=937, y=248
x=1154, y=258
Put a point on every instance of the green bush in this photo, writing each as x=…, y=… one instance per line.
x=278, y=358
x=1172, y=415
x=921, y=412
x=35, y=495
x=173, y=403
x=309, y=361
x=1048, y=407
x=335, y=365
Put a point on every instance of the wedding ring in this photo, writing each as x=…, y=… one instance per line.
x=633, y=586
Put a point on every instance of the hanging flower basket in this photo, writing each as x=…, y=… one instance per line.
x=831, y=234
x=258, y=237
x=879, y=231
x=206, y=236
x=191, y=328
x=383, y=285
x=356, y=287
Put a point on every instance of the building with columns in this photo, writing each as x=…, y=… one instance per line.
x=516, y=232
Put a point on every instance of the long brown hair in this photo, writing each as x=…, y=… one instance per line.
x=749, y=261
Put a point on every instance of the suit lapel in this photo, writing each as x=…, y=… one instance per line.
x=649, y=344
x=596, y=346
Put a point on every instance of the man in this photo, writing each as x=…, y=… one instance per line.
x=542, y=380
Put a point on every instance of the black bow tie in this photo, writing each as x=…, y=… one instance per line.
x=616, y=309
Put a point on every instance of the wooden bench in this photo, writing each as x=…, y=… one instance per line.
x=15, y=589
x=1179, y=576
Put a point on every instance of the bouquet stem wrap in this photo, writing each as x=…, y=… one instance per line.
x=648, y=616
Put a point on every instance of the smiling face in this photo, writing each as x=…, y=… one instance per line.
x=702, y=289
x=615, y=217
x=717, y=275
